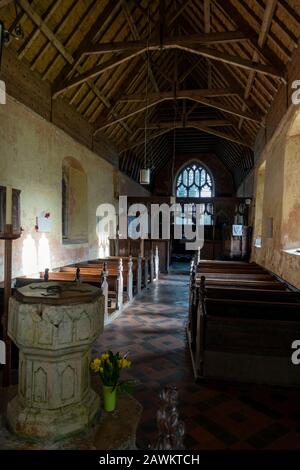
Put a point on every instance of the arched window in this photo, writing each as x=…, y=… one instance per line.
x=194, y=181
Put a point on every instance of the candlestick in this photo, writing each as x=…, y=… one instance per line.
x=8, y=217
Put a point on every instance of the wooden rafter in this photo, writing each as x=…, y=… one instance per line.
x=181, y=94
x=264, y=52
x=154, y=44
x=35, y=17
x=194, y=125
x=136, y=35
x=199, y=50
x=173, y=44
x=204, y=122
x=45, y=17
x=95, y=72
x=266, y=24
x=57, y=44
x=207, y=16
x=157, y=100
x=232, y=60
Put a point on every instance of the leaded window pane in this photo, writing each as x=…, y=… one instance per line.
x=194, y=181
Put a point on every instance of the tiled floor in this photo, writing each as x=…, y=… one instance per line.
x=216, y=415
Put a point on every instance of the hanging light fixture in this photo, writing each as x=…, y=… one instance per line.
x=145, y=173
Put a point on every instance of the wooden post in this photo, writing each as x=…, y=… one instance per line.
x=146, y=270
x=130, y=280
x=46, y=275
x=10, y=230
x=151, y=266
x=198, y=255
x=142, y=247
x=104, y=287
x=192, y=266
x=139, y=275
x=7, y=295
x=120, y=286
x=156, y=263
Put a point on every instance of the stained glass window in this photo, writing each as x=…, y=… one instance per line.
x=194, y=181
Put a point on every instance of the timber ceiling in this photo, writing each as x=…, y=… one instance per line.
x=214, y=68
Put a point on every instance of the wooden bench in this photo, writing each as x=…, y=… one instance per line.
x=243, y=329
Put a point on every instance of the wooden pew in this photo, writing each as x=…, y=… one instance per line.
x=238, y=329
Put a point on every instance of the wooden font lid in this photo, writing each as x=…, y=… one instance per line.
x=57, y=293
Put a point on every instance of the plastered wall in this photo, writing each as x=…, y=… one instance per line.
x=31, y=155
x=281, y=201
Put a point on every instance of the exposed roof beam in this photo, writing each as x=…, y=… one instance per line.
x=204, y=122
x=157, y=100
x=200, y=127
x=198, y=50
x=182, y=94
x=236, y=17
x=86, y=43
x=35, y=17
x=136, y=36
x=58, y=45
x=27, y=44
x=94, y=72
x=233, y=60
x=154, y=44
x=207, y=16
x=266, y=24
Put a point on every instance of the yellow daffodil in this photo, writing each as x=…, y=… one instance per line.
x=124, y=363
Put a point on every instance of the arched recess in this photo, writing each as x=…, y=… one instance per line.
x=290, y=228
x=74, y=202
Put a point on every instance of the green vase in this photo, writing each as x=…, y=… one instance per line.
x=109, y=398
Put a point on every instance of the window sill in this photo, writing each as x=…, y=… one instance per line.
x=67, y=242
x=292, y=251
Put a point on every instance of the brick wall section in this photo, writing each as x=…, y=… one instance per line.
x=224, y=185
